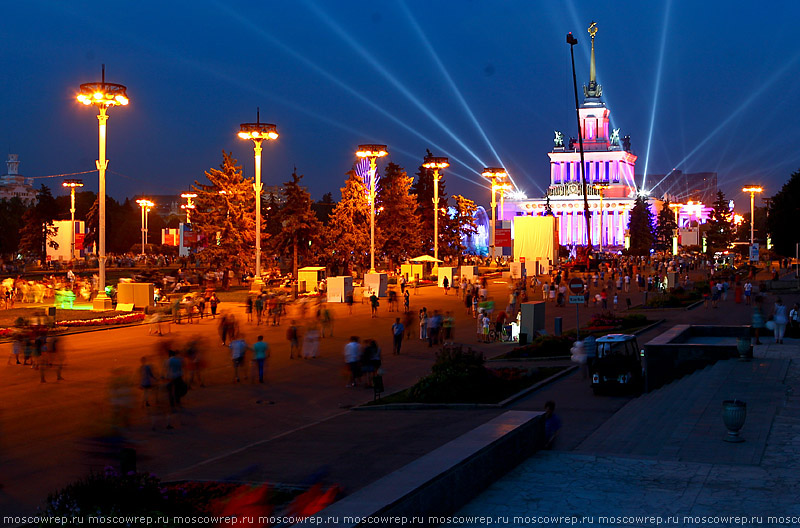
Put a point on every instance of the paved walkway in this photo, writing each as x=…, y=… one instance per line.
x=679, y=470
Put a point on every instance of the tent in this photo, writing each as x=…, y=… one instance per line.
x=425, y=258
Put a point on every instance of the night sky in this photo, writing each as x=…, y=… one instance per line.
x=485, y=83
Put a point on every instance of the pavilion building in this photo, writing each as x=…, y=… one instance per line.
x=610, y=169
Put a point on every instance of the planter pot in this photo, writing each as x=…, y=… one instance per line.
x=744, y=348
x=734, y=413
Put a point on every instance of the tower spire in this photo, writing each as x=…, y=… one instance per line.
x=594, y=90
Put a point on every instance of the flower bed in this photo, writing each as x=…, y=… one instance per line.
x=104, y=321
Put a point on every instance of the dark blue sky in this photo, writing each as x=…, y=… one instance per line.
x=474, y=80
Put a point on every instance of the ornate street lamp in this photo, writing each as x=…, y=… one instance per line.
x=372, y=153
x=497, y=178
x=71, y=185
x=752, y=189
x=189, y=205
x=436, y=163
x=258, y=132
x=676, y=207
x=145, y=205
x=103, y=95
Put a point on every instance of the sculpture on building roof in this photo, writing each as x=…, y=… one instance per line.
x=615, y=137
x=559, y=139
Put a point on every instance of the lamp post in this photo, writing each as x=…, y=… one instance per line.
x=258, y=132
x=572, y=41
x=145, y=205
x=189, y=205
x=372, y=153
x=72, y=184
x=103, y=95
x=752, y=189
x=497, y=178
x=601, y=187
x=676, y=207
x=436, y=163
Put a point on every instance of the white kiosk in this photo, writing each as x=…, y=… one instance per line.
x=377, y=282
x=469, y=272
x=339, y=288
x=445, y=271
x=518, y=270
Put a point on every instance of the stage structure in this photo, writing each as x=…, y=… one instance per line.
x=610, y=168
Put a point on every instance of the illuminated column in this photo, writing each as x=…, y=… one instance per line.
x=103, y=95
x=145, y=205
x=258, y=132
x=72, y=184
x=436, y=163
x=601, y=187
x=372, y=153
x=752, y=189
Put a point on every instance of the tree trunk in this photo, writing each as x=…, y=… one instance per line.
x=294, y=265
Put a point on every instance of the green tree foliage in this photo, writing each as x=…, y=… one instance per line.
x=300, y=228
x=11, y=218
x=665, y=228
x=720, y=234
x=347, y=236
x=641, y=228
x=38, y=232
x=396, y=218
x=783, y=218
x=462, y=226
x=225, y=216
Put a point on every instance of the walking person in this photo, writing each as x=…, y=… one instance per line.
x=423, y=323
x=176, y=387
x=260, y=354
x=213, y=301
x=406, y=301
x=780, y=318
x=446, y=284
x=147, y=380
x=294, y=340
x=238, y=348
x=311, y=342
x=352, y=357
x=374, y=303
x=397, y=333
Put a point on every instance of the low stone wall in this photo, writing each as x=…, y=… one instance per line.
x=670, y=355
x=442, y=481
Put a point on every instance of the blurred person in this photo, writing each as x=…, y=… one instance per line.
x=780, y=317
x=552, y=424
x=397, y=335
x=423, y=323
x=195, y=362
x=326, y=321
x=293, y=338
x=248, y=309
x=311, y=342
x=352, y=357
x=260, y=354
x=147, y=381
x=238, y=348
x=213, y=302
x=370, y=360
x=408, y=321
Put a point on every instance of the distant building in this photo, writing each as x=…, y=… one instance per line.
x=680, y=186
x=14, y=185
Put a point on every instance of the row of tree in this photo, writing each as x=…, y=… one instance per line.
x=325, y=233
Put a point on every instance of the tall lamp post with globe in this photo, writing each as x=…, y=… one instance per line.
x=72, y=184
x=436, y=163
x=103, y=95
x=497, y=178
x=258, y=132
x=372, y=153
x=752, y=189
x=145, y=205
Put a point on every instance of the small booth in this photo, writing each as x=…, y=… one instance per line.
x=411, y=271
x=448, y=273
x=469, y=272
x=518, y=270
x=309, y=277
x=376, y=282
x=532, y=319
x=339, y=288
x=426, y=262
x=140, y=294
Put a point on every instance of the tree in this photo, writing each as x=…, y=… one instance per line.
x=11, y=218
x=396, y=219
x=347, y=236
x=720, y=234
x=224, y=216
x=666, y=227
x=38, y=231
x=783, y=214
x=463, y=225
x=641, y=228
x=300, y=228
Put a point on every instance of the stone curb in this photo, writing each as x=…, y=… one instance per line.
x=465, y=406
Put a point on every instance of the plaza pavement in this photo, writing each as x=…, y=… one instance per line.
x=286, y=431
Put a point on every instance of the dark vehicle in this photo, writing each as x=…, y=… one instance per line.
x=618, y=364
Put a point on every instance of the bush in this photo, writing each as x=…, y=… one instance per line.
x=543, y=346
x=634, y=321
x=455, y=376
